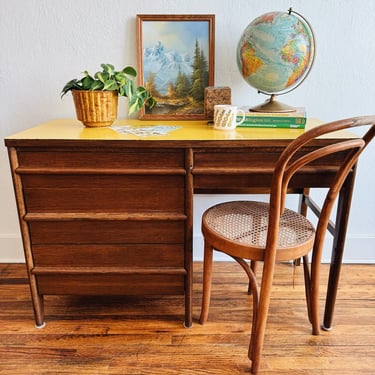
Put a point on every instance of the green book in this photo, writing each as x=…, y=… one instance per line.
x=274, y=121
x=296, y=120
x=275, y=125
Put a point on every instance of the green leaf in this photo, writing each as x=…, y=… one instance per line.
x=108, y=68
x=135, y=104
x=121, y=91
x=97, y=85
x=102, y=76
x=151, y=102
x=99, y=76
x=110, y=85
x=120, y=77
x=71, y=85
x=142, y=92
x=87, y=82
x=130, y=71
x=129, y=89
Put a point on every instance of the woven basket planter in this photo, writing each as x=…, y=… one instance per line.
x=95, y=108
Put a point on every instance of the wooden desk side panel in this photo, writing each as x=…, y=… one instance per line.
x=102, y=221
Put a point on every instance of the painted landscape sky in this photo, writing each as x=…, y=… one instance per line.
x=176, y=36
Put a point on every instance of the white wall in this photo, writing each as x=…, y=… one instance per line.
x=44, y=43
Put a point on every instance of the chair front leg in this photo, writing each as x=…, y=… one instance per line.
x=207, y=281
x=258, y=332
x=252, y=290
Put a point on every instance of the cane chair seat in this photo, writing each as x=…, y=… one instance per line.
x=243, y=225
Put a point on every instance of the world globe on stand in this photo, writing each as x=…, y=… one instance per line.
x=275, y=54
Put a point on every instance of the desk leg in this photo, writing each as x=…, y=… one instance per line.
x=189, y=191
x=341, y=225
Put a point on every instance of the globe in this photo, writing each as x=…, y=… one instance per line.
x=274, y=55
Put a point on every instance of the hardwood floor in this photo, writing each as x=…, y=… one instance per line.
x=122, y=335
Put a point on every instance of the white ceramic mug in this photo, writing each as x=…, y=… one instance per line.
x=225, y=117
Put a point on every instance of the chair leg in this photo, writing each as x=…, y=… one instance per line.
x=257, y=338
x=253, y=290
x=315, y=275
x=250, y=270
x=207, y=282
x=311, y=275
x=253, y=266
x=306, y=273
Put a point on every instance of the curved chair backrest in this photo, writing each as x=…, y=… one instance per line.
x=289, y=163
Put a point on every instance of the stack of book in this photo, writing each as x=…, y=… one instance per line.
x=291, y=120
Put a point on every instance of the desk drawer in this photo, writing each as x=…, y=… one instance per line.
x=233, y=170
x=254, y=158
x=103, y=193
x=99, y=158
x=109, y=255
x=147, y=284
x=236, y=158
x=51, y=232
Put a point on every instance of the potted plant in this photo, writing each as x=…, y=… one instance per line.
x=96, y=97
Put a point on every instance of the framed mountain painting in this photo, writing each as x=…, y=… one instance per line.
x=176, y=63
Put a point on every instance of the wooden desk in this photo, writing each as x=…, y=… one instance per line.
x=102, y=212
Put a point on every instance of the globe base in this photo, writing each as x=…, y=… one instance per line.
x=272, y=105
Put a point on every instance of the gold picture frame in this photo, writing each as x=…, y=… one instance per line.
x=176, y=56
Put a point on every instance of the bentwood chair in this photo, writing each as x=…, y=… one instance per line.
x=255, y=231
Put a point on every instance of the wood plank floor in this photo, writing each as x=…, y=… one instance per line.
x=125, y=335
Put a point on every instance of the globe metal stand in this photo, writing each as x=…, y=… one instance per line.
x=272, y=105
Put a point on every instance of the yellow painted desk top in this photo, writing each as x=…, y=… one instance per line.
x=71, y=129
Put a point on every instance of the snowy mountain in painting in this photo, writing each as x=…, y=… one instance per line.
x=165, y=65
